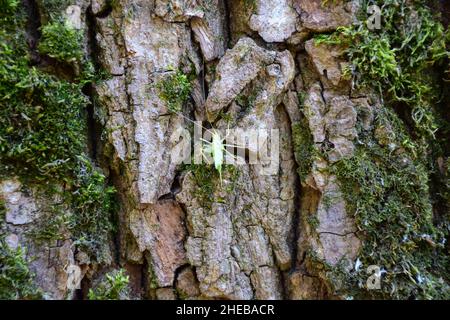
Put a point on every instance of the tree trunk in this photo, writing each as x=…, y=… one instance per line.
x=340, y=174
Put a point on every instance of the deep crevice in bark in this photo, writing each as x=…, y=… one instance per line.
x=227, y=22
x=105, y=11
x=33, y=33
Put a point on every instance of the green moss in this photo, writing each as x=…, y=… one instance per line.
x=114, y=286
x=181, y=294
x=301, y=96
x=152, y=279
x=174, y=90
x=250, y=5
x=94, y=206
x=52, y=225
x=313, y=221
x=204, y=177
x=387, y=188
x=231, y=173
x=43, y=139
x=303, y=147
x=87, y=212
x=42, y=124
x=9, y=6
x=386, y=182
x=54, y=8
x=328, y=2
x=42, y=120
x=16, y=280
x=2, y=212
x=226, y=116
x=61, y=41
x=397, y=59
x=303, y=142
x=246, y=101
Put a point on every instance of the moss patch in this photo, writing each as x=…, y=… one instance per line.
x=114, y=286
x=174, y=90
x=16, y=280
x=385, y=183
x=206, y=178
x=397, y=59
x=61, y=41
x=43, y=125
x=303, y=147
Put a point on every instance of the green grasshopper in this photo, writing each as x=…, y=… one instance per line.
x=216, y=148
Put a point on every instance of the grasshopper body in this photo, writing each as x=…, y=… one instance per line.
x=216, y=149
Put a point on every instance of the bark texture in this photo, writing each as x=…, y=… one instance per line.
x=181, y=233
